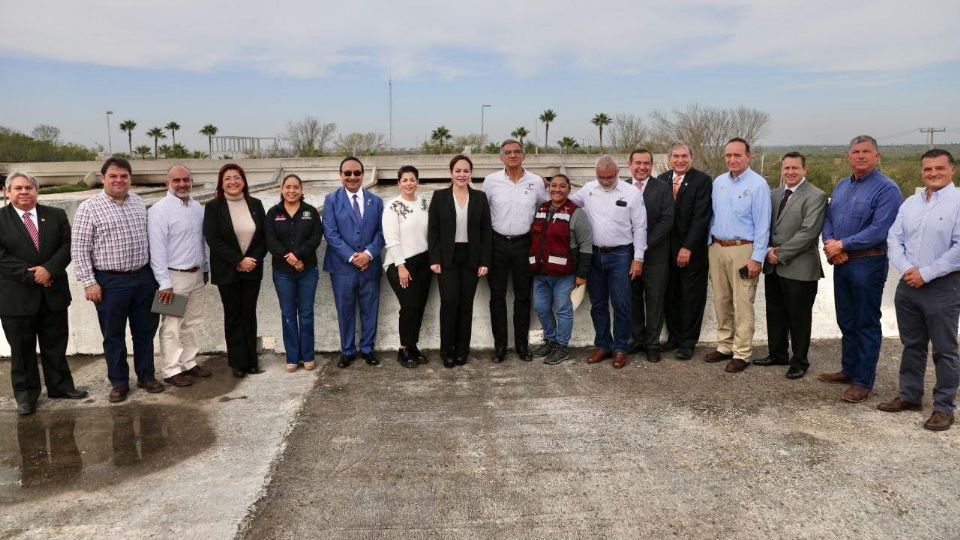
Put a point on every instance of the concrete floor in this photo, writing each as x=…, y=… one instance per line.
x=518, y=450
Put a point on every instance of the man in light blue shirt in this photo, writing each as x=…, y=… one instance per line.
x=740, y=232
x=924, y=246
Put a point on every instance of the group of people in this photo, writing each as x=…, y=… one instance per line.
x=646, y=249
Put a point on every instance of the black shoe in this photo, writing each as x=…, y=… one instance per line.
x=796, y=372
x=771, y=361
x=406, y=359
x=69, y=394
x=345, y=361
x=418, y=356
x=239, y=373
x=543, y=350
x=669, y=346
x=253, y=370
x=449, y=362
x=683, y=354
x=370, y=358
x=653, y=355
x=524, y=353
x=24, y=409
x=559, y=354
x=499, y=354
x=461, y=359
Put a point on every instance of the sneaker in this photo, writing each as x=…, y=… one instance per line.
x=544, y=350
x=559, y=354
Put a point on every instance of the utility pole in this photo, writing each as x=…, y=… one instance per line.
x=930, y=131
x=390, y=93
x=483, y=140
x=109, y=138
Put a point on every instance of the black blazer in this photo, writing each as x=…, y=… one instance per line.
x=225, y=252
x=693, y=210
x=658, y=200
x=20, y=293
x=442, y=228
x=300, y=235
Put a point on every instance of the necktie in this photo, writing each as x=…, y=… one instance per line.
x=32, y=230
x=639, y=184
x=356, y=208
x=786, y=195
x=676, y=185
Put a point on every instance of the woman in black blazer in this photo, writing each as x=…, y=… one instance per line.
x=459, y=240
x=233, y=228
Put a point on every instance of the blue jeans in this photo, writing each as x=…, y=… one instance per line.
x=609, y=283
x=127, y=297
x=297, y=292
x=550, y=292
x=857, y=291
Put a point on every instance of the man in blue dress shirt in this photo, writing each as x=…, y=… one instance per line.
x=740, y=232
x=861, y=211
x=924, y=246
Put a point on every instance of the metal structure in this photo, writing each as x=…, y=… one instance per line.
x=249, y=146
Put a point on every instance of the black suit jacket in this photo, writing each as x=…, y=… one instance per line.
x=442, y=228
x=19, y=292
x=225, y=252
x=658, y=201
x=691, y=217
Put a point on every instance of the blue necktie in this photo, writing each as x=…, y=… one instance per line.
x=356, y=208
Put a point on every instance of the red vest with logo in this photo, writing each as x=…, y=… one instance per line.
x=550, y=240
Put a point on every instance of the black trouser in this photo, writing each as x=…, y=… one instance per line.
x=511, y=258
x=413, y=298
x=23, y=333
x=686, y=298
x=789, y=315
x=458, y=284
x=646, y=308
x=240, y=322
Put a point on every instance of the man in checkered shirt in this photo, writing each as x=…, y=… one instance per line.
x=111, y=257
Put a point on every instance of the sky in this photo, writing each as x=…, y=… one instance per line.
x=824, y=70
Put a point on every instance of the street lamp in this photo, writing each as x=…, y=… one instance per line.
x=483, y=140
x=109, y=138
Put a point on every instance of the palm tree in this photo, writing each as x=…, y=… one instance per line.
x=172, y=127
x=143, y=151
x=567, y=143
x=520, y=133
x=209, y=130
x=128, y=126
x=441, y=135
x=547, y=117
x=166, y=151
x=601, y=120
x=157, y=134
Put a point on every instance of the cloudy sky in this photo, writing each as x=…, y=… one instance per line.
x=824, y=70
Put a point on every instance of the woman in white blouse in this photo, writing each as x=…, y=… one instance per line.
x=406, y=262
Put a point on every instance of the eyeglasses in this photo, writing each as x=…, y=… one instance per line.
x=348, y=174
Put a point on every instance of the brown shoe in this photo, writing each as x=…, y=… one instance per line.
x=178, y=380
x=736, y=365
x=151, y=385
x=717, y=356
x=898, y=405
x=119, y=393
x=197, y=371
x=619, y=360
x=939, y=421
x=835, y=378
x=598, y=355
x=856, y=393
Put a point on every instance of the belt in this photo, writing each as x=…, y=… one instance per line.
x=121, y=272
x=606, y=249
x=861, y=253
x=728, y=243
x=513, y=238
x=190, y=270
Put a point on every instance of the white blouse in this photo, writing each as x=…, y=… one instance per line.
x=404, y=229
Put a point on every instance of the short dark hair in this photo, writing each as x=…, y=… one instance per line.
x=299, y=181
x=937, y=152
x=511, y=141
x=638, y=151
x=795, y=154
x=740, y=140
x=561, y=175
x=116, y=162
x=408, y=169
x=457, y=158
x=351, y=158
x=223, y=171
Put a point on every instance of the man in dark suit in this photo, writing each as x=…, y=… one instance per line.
x=650, y=289
x=792, y=267
x=34, y=254
x=687, y=289
x=352, y=221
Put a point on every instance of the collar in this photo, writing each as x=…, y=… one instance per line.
x=523, y=175
x=868, y=176
x=934, y=196
x=176, y=199
x=745, y=172
x=796, y=187
x=33, y=211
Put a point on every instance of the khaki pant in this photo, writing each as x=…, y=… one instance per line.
x=733, y=299
x=179, y=342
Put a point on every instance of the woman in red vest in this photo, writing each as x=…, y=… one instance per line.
x=560, y=248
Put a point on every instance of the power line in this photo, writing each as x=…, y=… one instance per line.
x=930, y=131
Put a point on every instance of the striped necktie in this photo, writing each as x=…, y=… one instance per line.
x=32, y=230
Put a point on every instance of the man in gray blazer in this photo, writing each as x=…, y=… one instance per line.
x=792, y=266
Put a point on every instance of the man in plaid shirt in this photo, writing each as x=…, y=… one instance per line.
x=111, y=257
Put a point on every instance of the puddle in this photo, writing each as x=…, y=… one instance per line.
x=57, y=450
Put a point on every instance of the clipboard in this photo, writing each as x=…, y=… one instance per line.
x=176, y=308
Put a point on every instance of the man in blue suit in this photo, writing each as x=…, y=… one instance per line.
x=352, y=224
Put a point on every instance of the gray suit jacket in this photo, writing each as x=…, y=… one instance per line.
x=796, y=232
